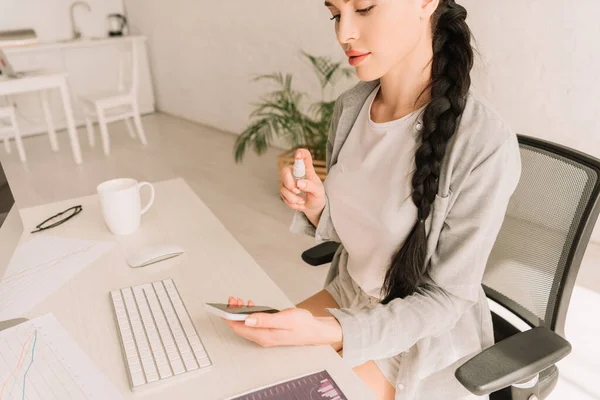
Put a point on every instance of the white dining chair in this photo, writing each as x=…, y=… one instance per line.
x=9, y=129
x=118, y=104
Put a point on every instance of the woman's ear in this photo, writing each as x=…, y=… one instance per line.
x=428, y=7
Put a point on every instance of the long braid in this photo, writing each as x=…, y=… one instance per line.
x=450, y=83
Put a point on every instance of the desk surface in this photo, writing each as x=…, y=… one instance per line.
x=213, y=267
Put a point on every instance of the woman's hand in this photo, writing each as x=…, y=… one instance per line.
x=289, y=327
x=313, y=187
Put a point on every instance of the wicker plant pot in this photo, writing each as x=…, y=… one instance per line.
x=287, y=158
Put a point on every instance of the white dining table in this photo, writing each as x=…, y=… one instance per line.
x=43, y=82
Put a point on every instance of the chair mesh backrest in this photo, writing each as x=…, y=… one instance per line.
x=530, y=257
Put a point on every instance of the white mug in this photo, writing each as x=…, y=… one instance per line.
x=121, y=204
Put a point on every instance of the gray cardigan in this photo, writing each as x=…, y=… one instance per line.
x=448, y=320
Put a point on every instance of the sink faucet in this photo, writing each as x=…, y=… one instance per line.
x=76, y=32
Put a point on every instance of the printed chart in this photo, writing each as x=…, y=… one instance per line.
x=38, y=360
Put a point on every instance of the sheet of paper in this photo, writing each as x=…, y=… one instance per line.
x=41, y=266
x=39, y=360
x=315, y=386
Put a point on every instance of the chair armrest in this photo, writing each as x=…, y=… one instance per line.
x=320, y=254
x=512, y=360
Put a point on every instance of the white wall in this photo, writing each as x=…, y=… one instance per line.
x=204, y=54
x=51, y=18
x=538, y=68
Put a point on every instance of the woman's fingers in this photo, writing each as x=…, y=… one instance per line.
x=287, y=178
x=294, y=206
x=309, y=186
x=234, y=302
x=290, y=197
x=291, y=200
x=238, y=302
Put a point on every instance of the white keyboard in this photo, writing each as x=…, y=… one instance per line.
x=158, y=338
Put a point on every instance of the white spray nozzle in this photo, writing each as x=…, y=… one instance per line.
x=299, y=169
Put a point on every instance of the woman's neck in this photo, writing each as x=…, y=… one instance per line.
x=402, y=88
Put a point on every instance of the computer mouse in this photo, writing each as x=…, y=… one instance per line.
x=153, y=254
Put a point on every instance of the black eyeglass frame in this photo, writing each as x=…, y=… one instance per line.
x=40, y=227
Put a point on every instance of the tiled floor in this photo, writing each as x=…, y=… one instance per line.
x=245, y=198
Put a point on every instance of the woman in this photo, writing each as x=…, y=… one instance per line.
x=419, y=177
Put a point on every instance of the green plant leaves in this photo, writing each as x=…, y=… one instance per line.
x=282, y=113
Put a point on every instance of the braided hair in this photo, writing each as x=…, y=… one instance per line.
x=449, y=85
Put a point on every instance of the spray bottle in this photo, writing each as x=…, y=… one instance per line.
x=299, y=173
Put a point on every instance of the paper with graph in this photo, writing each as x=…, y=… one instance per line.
x=41, y=266
x=39, y=360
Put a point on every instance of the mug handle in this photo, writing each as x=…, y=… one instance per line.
x=147, y=207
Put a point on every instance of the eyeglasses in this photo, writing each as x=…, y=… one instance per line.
x=58, y=219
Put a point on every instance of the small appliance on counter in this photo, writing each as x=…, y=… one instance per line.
x=117, y=23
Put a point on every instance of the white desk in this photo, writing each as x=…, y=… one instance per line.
x=43, y=82
x=213, y=267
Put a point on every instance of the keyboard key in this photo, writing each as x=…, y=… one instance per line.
x=200, y=354
x=135, y=367
x=170, y=286
x=191, y=364
x=178, y=367
x=164, y=371
x=170, y=347
x=137, y=379
x=178, y=335
x=148, y=364
x=163, y=361
x=116, y=296
x=152, y=376
x=183, y=346
x=133, y=359
x=145, y=353
x=187, y=356
x=130, y=349
x=195, y=342
x=204, y=362
x=197, y=347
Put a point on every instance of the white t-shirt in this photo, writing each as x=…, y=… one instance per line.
x=369, y=191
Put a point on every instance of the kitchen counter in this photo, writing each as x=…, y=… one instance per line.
x=69, y=43
x=92, y=66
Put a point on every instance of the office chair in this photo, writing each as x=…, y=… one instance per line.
x=531, y=271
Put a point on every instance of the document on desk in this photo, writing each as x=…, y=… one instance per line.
x=39, y=360
x=41, y=266
x=317, y=386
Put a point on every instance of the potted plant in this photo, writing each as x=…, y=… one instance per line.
x=283, y=113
